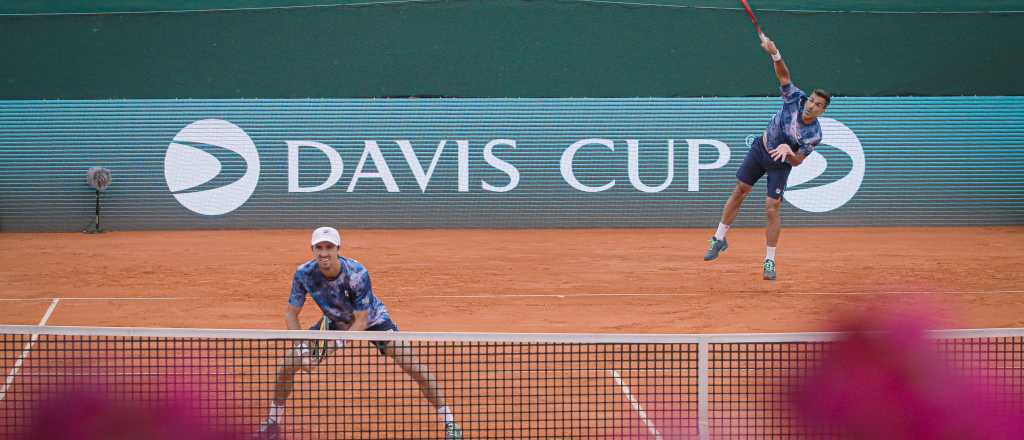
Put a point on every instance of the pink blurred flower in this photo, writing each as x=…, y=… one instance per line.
x=886, y=380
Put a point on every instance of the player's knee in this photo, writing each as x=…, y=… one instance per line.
x=286, y=371
x=295, y=362
x=417, y=370
x=771, y=207
x=742, y=189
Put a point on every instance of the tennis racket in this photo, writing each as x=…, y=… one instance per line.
x=753, y=18
x=318, y=347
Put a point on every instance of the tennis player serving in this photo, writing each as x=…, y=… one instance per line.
x=341, y=287
x=791, y=136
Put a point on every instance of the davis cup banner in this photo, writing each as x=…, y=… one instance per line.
x=499, y=163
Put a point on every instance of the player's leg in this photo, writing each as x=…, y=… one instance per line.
x=298, y=357
x=771, y=210
x=285, y=378
x=749, y=173
x=772, y=206
x=283, y=384
x=405, y=356
x=735, y=202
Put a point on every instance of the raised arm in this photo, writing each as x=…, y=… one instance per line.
x=781, y=71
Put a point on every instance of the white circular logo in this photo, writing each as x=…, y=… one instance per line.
x=186, y=167
x=832, y=195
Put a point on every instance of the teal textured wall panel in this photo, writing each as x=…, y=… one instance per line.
x=923, y=161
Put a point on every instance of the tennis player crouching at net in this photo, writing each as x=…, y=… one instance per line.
x=341, y=287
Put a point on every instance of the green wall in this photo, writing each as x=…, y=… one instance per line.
x=116, y=6
x=504, y=48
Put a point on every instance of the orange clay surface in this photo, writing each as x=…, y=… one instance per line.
x=569, y=280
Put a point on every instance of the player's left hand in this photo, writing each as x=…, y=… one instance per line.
x=304, y=354
x=781, y=152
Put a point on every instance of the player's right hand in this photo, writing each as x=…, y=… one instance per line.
x=768, y=45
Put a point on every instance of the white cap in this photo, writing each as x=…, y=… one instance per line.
x=326, y=233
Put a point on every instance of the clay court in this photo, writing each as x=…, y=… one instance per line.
x=532, y=186
x=563, y=280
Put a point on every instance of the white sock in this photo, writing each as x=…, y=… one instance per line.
x=722, y=229
x=446, y=412
x=275, y=412
x=771, y=253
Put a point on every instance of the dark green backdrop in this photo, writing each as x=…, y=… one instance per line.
x=503, y=48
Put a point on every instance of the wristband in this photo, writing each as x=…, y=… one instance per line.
x=777, y=56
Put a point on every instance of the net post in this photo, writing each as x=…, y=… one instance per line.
x=703, y=427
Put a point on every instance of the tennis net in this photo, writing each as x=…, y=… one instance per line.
x=495, y=386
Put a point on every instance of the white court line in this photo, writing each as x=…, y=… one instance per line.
x=592, y=295
x=24, y=353
x=636, y=405
x=555, y=295
x=161, y=374
x=904, y=292
x=86, y=298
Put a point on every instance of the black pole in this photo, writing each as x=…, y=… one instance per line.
x=98, y=229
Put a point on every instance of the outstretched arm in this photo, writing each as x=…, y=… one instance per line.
x=291, y=317
x=781, y=71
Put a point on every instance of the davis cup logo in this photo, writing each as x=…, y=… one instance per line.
x=832, y=195
x=206, y=155
x=187, y=167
